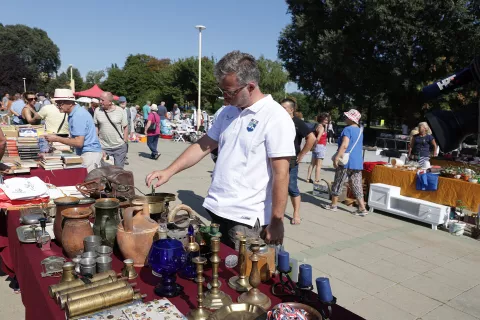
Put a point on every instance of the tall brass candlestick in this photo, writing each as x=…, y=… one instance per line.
x=240, y=282
x=215, y=299
x=200, y=313
x=254, y=296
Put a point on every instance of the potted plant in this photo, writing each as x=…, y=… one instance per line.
x=459, y=210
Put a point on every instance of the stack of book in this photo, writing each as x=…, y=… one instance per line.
x=28, y=147
x=51, y=161
x=12, y=165
x=12, y=150
x=10, y=131
x=61, y=147
x=71, y=161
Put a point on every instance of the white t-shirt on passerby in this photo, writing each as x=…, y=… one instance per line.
x=241, y=188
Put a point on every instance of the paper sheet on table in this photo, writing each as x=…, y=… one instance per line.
x=24, y=188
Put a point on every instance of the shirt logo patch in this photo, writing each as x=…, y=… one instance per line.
x=251, y=126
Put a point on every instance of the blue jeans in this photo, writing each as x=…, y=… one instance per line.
x=293, y=190
x=152, y=143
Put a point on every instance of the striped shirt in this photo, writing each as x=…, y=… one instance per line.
x=108, y=136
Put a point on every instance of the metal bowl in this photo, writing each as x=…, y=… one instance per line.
x=312, y=313
x=239, y=311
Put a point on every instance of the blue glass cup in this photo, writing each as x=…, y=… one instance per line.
x=166, y=257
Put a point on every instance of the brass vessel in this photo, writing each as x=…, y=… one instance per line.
x=68, y=273
x=128, y=270
x=215, y=299
x=200, y=313
x=95, y=284
x=240, y=283
x=254, y=296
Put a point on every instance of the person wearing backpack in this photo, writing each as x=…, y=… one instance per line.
x=152, y=130
x=320, y=147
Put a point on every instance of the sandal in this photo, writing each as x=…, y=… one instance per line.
x=309, y=180
x=361, y=213
x=329, y=207
x=295, y=221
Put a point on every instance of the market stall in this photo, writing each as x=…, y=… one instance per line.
x=35, y=295
x=449, y=192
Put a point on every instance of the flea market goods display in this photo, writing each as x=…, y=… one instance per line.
x=76, y=227
x=135, y=234
x=108, y=182
x=61, y=204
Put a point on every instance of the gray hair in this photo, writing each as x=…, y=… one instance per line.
x=108, y=95
x=243, y=65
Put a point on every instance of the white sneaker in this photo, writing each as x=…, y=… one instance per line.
x=329, y=207
x=361, y=213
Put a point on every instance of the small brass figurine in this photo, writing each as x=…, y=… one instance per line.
x=215, y=299
x=128, y=270
x=254, y=296
x=68, y=272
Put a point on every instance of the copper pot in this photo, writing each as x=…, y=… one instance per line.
x=62, y=203
x=76, y=227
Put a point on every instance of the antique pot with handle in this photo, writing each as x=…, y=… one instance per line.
x=107, y=218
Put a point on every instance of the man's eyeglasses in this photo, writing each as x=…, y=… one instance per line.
x=31, y=99
x=231, y=94
x=61, y=103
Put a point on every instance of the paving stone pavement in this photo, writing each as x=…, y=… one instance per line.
x=380, y=266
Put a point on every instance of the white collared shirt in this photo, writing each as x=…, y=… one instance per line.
x=241, y=188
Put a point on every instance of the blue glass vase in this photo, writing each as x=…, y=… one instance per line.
x=166, y=257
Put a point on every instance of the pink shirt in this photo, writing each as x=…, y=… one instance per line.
x=154, y=118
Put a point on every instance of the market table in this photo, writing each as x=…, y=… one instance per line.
x=59, y=178
x=38, y=304
x=449, y=190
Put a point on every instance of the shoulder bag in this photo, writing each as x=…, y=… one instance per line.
x=106, y=114
x=153, y=125
x=61, y=124
x=346, y=156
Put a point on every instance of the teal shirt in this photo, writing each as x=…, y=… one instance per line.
x=146, y=110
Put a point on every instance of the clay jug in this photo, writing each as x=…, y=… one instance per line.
x=62, y=204
x=76, y=227
x=106, y=220
x=135, y=234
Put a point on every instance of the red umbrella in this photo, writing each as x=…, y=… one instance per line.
x=93, y=92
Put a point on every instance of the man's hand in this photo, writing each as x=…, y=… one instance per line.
x=161, y=175
x=300, y=157
x=274, y=232
x=51, y=138
x=335, y=162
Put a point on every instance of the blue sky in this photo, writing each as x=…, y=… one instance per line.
x=93, y=34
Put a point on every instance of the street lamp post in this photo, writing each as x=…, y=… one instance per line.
x=200, y=28
x=24, y=85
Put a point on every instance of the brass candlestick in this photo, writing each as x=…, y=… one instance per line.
x=254, y=296
x=200, y=313
x=240, y=282
x=215, y=299
x=128, y=270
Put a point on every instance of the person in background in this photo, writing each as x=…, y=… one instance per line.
x=3, y=144
x=254, y=137
x=330, y=132
x=320, y=148
x=302, y=132
x=351, y=141
x=146, y=111
x=152, y=130
x=93, y=106
x=5, y=100
x=112, y=129
x=16, y=109
x=55, y=121
x=176, y=112
x=133, y=115
x=42, y=100
x=83, y=136
x=123, y=104
x=29, y=114
x=421, y=145
x=404, y=129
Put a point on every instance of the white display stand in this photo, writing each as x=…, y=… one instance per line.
x=387, y=198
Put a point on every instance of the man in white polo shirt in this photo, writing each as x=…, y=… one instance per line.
x=254, y=136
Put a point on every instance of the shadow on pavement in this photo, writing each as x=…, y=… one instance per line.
x=194, y=201
x=144, y=155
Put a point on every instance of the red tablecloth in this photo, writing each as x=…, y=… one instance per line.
x=59, y=178
x=38, y=304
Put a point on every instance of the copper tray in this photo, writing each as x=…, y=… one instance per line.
x=239, y=311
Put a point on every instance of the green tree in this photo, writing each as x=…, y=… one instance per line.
x=273, y=77
x=93, y=77
x=12, y=70
x=62, y=81
x=378, y=55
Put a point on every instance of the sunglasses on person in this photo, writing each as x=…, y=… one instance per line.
x=231, y=94
x=31, y=99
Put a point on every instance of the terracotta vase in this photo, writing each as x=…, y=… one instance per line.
x=76, y=227
x=62, y=204
x=135, y=234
